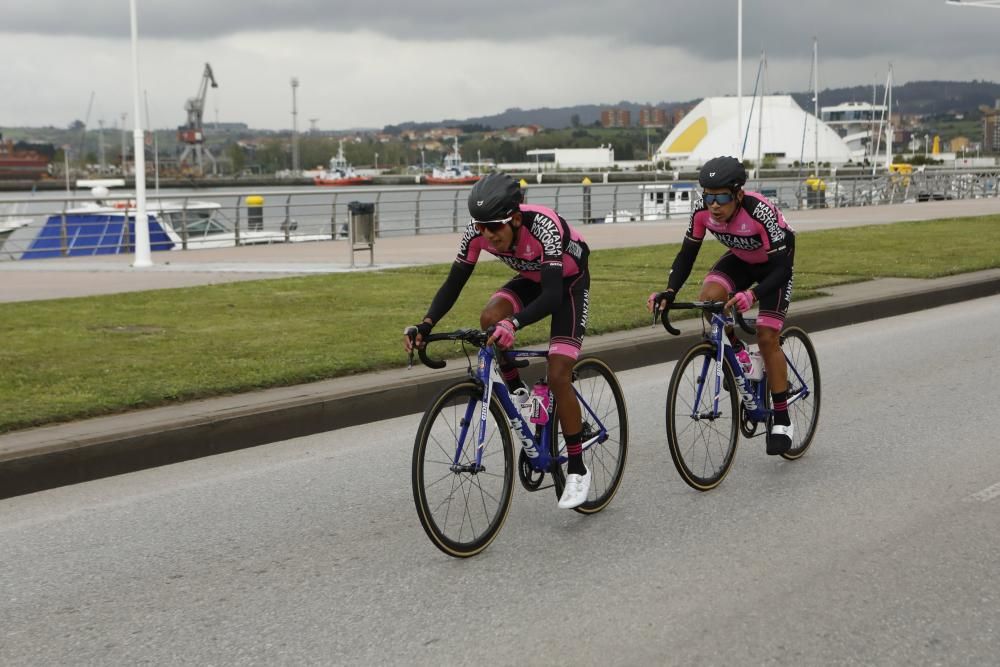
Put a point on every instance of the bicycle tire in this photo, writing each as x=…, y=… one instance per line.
x=706, y=460
x=804, y=413
x=461, y=531
x=600, y=389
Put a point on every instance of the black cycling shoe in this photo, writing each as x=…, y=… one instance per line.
x=779, y=440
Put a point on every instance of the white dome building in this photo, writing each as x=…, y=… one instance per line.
x=710, y=130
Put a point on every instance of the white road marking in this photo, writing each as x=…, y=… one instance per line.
x=987, y=494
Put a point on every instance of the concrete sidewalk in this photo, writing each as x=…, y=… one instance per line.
x=42, y=458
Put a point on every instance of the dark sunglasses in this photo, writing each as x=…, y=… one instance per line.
x=493, y=226
x=720, y=199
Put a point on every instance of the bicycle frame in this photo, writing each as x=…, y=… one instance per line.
x=752, y=392
x=487, y=373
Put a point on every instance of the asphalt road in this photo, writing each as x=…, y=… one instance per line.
x=879, y=546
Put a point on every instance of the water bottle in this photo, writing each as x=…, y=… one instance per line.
x=539, y=403
x=756, y=371
x=522, y=400
x=745, y=361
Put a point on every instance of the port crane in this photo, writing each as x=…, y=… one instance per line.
x=192, y=134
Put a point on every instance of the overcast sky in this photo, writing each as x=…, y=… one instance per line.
x=368, y=64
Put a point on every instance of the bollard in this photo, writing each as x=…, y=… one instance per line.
x=255, y=213
x=586, y=201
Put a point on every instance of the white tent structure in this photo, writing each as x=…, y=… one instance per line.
x=776, y=123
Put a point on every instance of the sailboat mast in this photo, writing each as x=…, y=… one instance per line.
x=739, y=75
x=888, y=127
x=816, y=99
x=760, y=112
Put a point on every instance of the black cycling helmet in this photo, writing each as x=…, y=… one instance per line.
x=495, y=198
x=723, y=172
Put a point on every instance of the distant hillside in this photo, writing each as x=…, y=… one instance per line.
x=916, y=97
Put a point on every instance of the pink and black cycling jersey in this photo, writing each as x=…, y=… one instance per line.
x=757, y=234
x=546, y=251
x=757, y=229
x=544, y=238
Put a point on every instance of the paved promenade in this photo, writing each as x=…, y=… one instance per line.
x=107, y=274
x=46, y=457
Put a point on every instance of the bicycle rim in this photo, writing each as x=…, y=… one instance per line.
x=702, y=448
x=599, y=388
x=803, y=412
x=462, y=511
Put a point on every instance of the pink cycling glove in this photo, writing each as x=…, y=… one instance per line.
x=503, y=333
x=744, y=300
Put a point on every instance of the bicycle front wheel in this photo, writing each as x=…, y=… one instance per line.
x=702, y=443
x=803, y=373
x=603, y=400
x=461, y=506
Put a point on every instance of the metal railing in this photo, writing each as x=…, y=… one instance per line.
x=60, y=226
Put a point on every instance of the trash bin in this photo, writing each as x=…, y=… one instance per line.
x=362, y=221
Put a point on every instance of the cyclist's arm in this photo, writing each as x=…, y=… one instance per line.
x=780, y=269
x=449, y=291
x=548, y=300
x=683, y=263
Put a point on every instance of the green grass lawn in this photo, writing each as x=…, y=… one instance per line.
x=73, y=358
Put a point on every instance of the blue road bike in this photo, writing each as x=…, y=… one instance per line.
x=463, y=455
x=711, y=400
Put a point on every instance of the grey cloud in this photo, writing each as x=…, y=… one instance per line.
x=845, y=29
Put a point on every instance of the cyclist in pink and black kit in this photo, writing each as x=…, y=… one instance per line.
x=761, y=250
x=551, y=260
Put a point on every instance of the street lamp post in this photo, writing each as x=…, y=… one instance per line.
x=142, y=250
x=295, y=129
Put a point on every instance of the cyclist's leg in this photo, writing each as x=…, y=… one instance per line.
x=770, y=320
x=508, y=300
x=730, y=274
x=569, y=324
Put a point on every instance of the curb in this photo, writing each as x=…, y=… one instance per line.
x=56, y=456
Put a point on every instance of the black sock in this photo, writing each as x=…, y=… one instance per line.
x=779, y=400
x=575, y=453
x=512, y=377
x=734, y=341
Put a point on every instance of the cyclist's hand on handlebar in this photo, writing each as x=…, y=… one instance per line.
x=742, y=301
x=659, y=301
x=413, y=336
x=502, y=333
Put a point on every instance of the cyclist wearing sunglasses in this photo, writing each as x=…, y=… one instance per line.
x=551, y=260
x=761, y=250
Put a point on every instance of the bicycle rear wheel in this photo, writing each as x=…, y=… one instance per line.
x=462, y=508
x=803, y=412
x=702, y=445
x=598, y=387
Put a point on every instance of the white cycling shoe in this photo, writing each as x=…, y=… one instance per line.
x=779, y=440
x=575, y=493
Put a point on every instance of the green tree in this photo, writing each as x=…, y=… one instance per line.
x=236, y=157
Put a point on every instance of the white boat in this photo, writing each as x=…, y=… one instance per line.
x=340, y=172
x=659, y=201
x=10, y=225
x=106, y=226
x=454, y=172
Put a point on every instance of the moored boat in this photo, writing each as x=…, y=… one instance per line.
x=340, y=172
x=454, y=171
